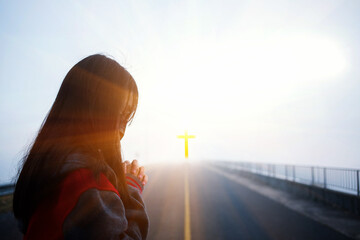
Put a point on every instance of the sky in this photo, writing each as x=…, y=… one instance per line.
x=261, y=81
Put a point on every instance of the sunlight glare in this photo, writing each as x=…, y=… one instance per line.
x=255, y=72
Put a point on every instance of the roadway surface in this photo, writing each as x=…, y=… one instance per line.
x=220, y=209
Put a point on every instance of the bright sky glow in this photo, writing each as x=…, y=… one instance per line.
x=253, y=80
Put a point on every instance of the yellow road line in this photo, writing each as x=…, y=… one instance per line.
x=187, y=231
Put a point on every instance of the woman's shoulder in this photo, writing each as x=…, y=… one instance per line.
x=78, y=175
x=79, y=168
x=76, y=160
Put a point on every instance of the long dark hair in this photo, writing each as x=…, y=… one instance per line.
x=96, y=100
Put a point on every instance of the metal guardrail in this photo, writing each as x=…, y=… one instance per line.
x=7, y=189
x=337, y=179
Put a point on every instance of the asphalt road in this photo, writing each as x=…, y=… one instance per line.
x=220, y=209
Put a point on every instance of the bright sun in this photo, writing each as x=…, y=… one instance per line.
x=253, y=67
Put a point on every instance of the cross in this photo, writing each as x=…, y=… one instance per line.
x=186, y=136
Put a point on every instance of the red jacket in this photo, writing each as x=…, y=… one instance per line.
x=47, y=221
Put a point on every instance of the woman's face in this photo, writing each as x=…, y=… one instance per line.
x=125, y=113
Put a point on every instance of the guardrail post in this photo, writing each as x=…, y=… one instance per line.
x=312, y=175
x=286, y=174
x=357, y=183
x=274, y=169
x=324, y=177
x=294, y=176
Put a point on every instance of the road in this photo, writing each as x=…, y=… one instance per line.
x=220, y=209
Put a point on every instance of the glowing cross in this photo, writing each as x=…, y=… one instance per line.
x=186, y=136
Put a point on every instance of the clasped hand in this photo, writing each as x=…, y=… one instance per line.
x=136, y=170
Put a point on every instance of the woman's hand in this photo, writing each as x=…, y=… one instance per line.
x=134, y=169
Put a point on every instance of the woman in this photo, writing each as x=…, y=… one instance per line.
x=73, y=183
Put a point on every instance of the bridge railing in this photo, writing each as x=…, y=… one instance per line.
x=6, y=189
x=337, y=179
